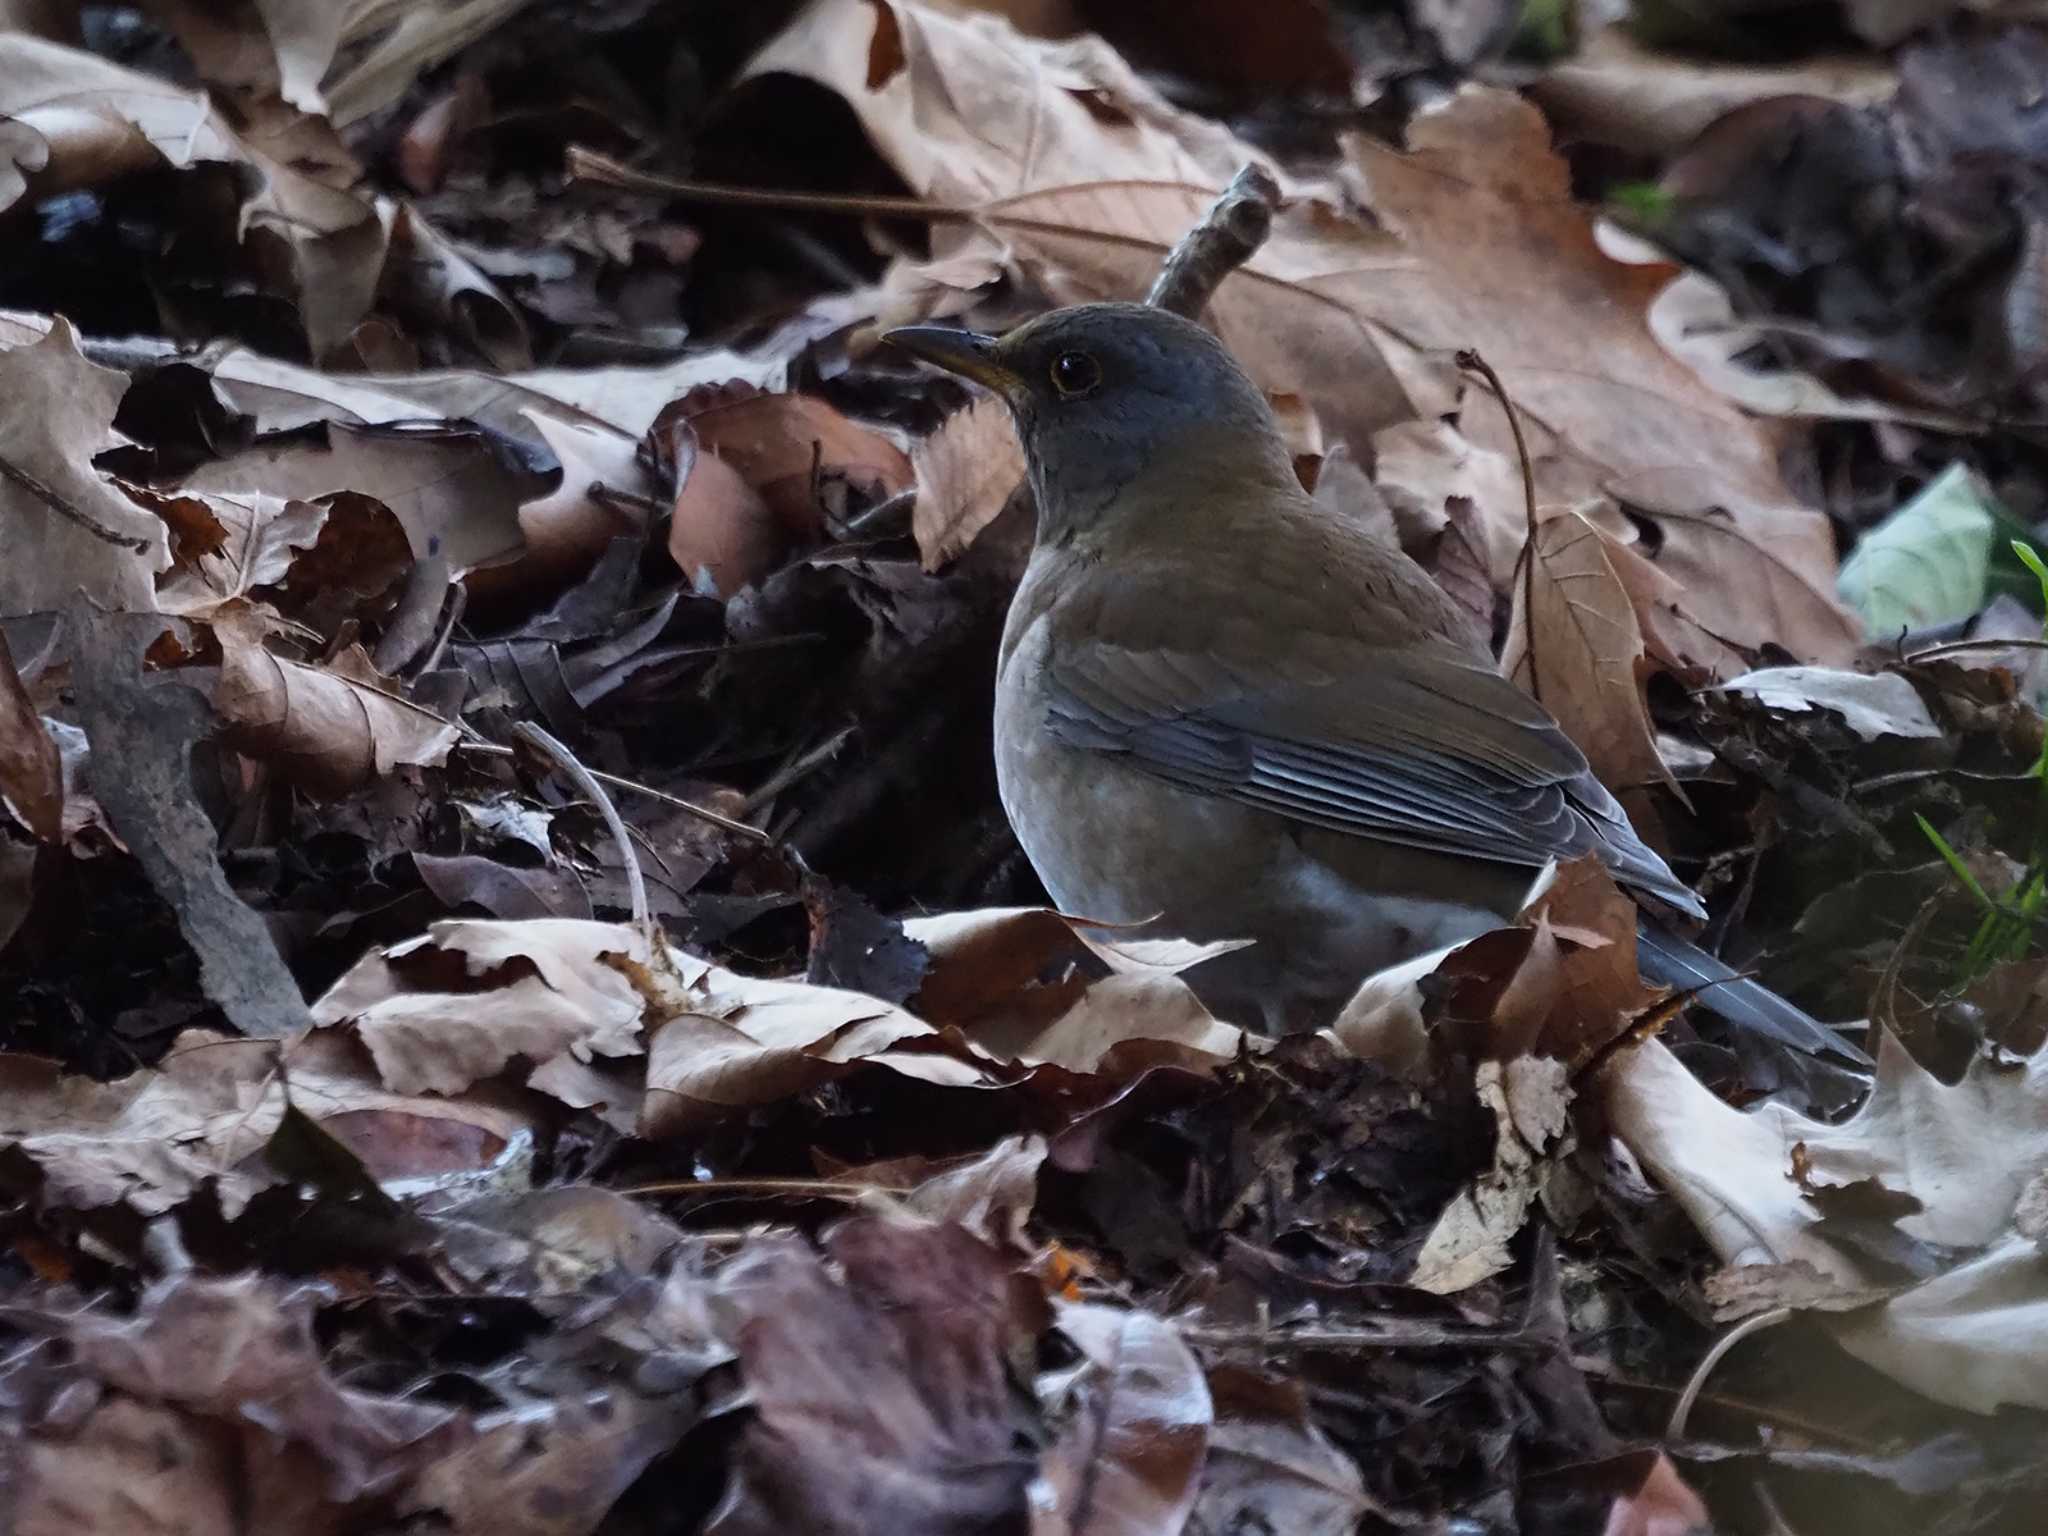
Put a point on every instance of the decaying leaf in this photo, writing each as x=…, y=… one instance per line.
x=966, y=473
x=1574, y=643
x=66, y=528
x=150, y=1139
x=460, y=1003
x=331, y=728
x=1972, y=1334
x=1129, y=1462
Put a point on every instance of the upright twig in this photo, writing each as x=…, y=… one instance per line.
x=1470, y=358
x=1229, y=234
x=586, y=781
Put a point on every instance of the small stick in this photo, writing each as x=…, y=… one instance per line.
x=585, y=780
x=1229, y=234
x=1469, y=358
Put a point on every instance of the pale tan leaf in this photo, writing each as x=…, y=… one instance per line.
x=149, y=1140
x=1974, y=1335
x=1529, y=1097
x=332, y=728
x=966, y=473
x=100, y=120
x=1130, y=1460
x=102, y=544
x=460, y=1003
x=1269, y=1467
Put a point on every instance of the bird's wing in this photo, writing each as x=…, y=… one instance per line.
x=1420, y=747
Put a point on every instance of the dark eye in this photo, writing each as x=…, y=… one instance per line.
x=1075, y=373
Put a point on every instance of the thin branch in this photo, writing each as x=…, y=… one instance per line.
x=1675, y=1430
x=585, y=780
x=588, y=165
x=1469, y=358
x=1229, y=234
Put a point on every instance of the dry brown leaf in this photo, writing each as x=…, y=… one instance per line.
x=1697, y=324
x=967, y=110
x=31, y=772
x=449, y=487
x=1269, y=1467
x=1530, y=1097
x=1974, y=1335
x=966, y=473
x=1129, y=1461
x=984, y=981
x=99, y=121
x=204, y=1112
x=227, y=546
x=103, y=545
x=733, y=1041
x=1655, y=101
x=721, y=536
x=1574, y=643
x=331, y=728
x=433, y=284
x=980, y=958
x=243, y=1351
x=567, y=529
x=888, y=1392
x=460, y=1003
x=738, y=457
x=1082, y=1026
x=141, y=1468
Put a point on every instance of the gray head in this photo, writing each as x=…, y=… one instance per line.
x=1104, y=393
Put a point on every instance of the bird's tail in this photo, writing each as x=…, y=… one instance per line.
x=1663, y=957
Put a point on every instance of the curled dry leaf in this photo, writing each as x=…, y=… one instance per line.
x=100, y=121
x=1129, y=1460
x=460, y=1003
x=1529, y=1097
x=100, y=543
x=751, y=473
x=243, y=1351
x=450, y=487
x=1976, y=1334
x=567, y=529
x=1269, y=1467
x=1575, y=644
x=731, y=1041
x=967, y=110
x=206, y=1110
x=31, y=772
x=1872, y=704
x=966, y=473
x=887, y=1392
x=430, y=279
x=987, y=979
x=227, y=546
x=331, y=728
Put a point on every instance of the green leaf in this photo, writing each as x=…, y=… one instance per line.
x=1929, y=562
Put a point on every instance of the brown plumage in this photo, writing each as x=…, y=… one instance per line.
x=1221, y=706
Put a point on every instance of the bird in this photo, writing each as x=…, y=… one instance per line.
x=1231, y=713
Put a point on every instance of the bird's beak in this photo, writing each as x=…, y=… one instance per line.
x=967, y=353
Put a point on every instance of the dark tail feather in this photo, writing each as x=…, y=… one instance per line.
x=1670, y=961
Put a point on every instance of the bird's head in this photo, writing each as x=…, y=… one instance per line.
x=1121, y=407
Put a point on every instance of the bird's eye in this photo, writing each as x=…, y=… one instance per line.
x=1075, y=374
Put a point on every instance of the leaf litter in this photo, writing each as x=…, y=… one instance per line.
x=703, y=1124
